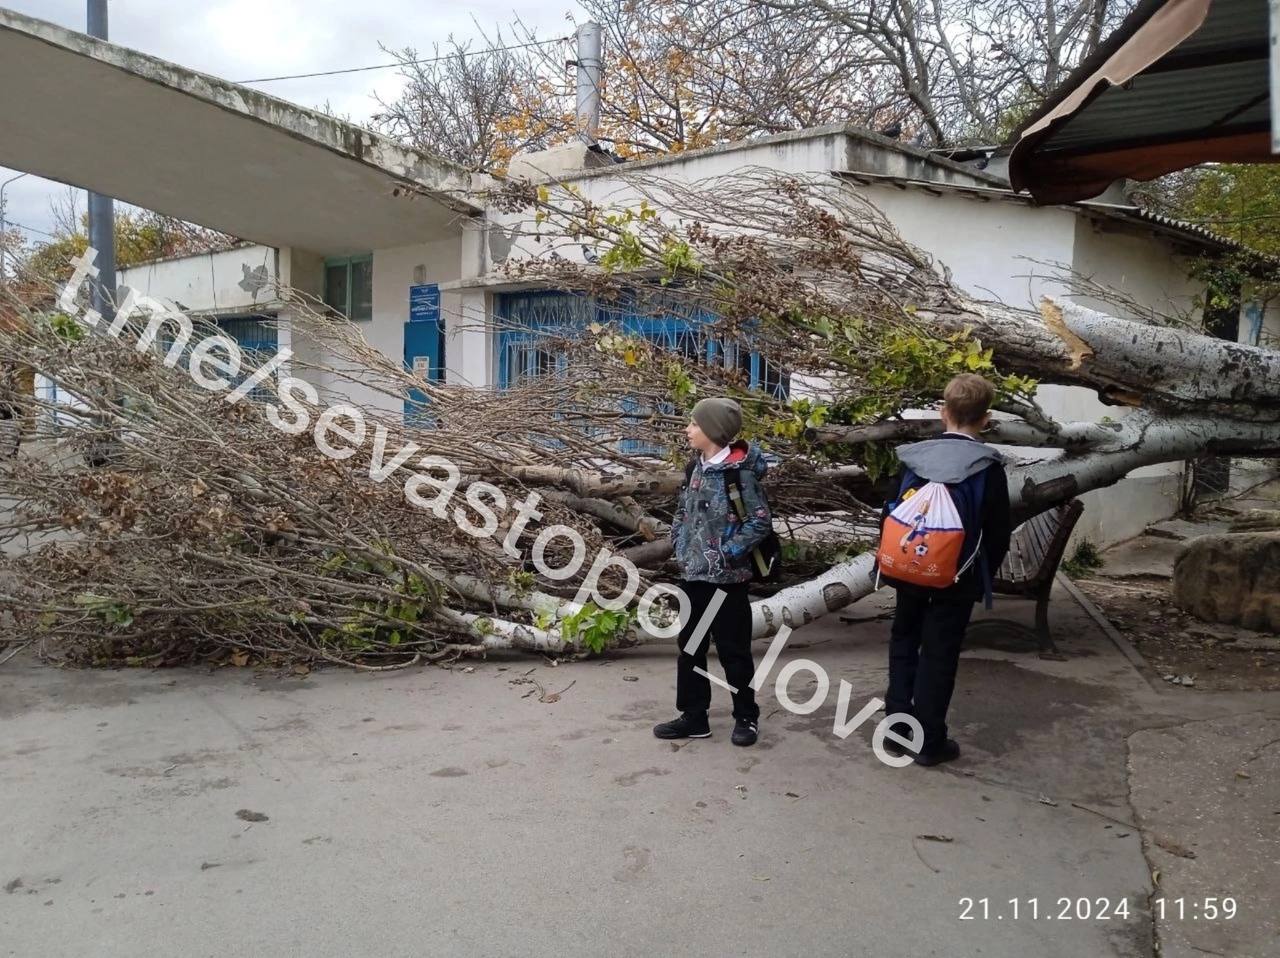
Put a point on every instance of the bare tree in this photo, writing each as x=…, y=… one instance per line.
x=67, y=210
x=682, y=74
x=961, y=68
x=479, y=107
x=678, y=75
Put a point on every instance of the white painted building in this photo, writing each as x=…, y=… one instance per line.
x=398, y=241
x=995, y=244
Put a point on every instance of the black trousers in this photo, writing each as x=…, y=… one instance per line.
x=731, y=630
x=924, y=652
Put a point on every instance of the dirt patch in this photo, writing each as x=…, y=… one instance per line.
x=1175, y=643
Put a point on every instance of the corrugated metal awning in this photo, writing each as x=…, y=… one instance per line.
x=1181, y=82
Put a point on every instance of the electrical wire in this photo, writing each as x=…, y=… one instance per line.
x=29, y=229
x=391, y=66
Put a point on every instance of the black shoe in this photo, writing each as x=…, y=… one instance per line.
x=948, y=751
x=893, y=747
x=745, y=732
x=687, y=725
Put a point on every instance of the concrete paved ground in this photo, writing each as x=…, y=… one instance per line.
x=1207, y=798
x=442, y=813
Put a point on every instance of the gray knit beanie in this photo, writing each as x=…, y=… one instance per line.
x=720, y=419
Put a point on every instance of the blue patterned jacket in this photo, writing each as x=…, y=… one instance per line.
x=711, y=544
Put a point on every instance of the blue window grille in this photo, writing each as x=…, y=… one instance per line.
x=253, y=334
x=256, y=336
x=532, y=321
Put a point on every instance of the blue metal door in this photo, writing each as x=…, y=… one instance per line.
x=423, y=356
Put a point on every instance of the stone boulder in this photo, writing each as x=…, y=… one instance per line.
x=1232, y=578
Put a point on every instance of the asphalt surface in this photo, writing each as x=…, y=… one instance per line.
x=435, y=812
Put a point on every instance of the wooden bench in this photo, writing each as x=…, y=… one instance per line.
x=1035, y=552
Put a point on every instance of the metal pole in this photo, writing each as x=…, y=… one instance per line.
x=589, y=46
x=102, y=208
x=3, y=244
x=1275, y=76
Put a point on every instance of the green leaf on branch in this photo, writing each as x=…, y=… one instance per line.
x=626, y=254
x=66, y=328
x=595, y=628
x=879, y=459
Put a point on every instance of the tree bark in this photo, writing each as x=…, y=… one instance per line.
x=1141, y=439
x=1001, y=431
x=1127, y=362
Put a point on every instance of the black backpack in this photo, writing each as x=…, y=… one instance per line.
x=766, y=558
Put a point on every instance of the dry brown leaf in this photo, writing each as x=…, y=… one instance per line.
x=1173, y=848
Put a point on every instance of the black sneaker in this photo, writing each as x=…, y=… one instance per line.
x=687, y=725
x=948, y=751
x=893, y=748
x=745, y=732
x=891, y=745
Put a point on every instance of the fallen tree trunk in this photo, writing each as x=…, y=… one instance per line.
x=1142, y=439
x=202, y=527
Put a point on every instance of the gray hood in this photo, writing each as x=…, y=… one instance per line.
x=949, y=459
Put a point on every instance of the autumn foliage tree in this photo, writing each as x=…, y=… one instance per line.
x=140, y=236
x=684, y=74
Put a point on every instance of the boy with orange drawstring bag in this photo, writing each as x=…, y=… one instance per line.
x=943, y=538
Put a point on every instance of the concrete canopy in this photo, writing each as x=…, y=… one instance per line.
x=106, y=118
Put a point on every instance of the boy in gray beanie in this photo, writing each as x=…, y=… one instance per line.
x=719, y=419
x=713, y=545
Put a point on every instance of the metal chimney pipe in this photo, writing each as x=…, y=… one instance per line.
x=588, y=62
x=102, y=215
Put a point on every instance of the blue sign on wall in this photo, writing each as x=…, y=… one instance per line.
x=424, y=303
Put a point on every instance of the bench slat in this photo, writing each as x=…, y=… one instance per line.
x=1029, y=547
x=1046, y=529
x=1011, y=568
x=1036, y=545
x=1025, y=542
x=1039, y=546
x=1042, y=529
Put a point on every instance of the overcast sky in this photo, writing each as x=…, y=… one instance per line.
x=246, y=39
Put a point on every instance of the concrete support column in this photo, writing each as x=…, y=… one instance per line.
x=102, y=215
x=470, y=341
x=301, y=272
